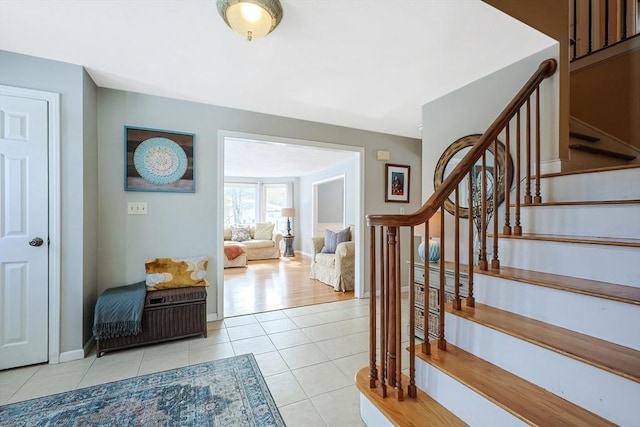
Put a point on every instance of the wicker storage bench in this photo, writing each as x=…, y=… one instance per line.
x=168, y=315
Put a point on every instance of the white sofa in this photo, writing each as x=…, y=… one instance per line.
x=257, y=248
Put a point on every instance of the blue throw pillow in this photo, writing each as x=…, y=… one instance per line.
x=333, y=239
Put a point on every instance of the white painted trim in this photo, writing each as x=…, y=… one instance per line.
x=68, y=356
x=212, y=317
x=53, y=100
x=359, y=208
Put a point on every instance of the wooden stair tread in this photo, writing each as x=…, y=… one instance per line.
x=588, y=240
x=580, y=203
x=611, y=291
x=601, y=151
x=614, y=358
x=411, y=411
x=584, y=137
x=592, y=170
x=531, y=403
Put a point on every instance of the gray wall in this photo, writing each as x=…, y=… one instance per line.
x=331, y=201
x=472, y=108
x=69, y=81
x=184, y=224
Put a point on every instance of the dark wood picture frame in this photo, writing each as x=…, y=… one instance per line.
x=397, y=183
x=158, y=160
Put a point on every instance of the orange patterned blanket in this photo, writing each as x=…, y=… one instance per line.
x=232, y=251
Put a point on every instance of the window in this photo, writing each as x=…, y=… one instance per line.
x=275, y=198
x=251, y=202
x=240, y=203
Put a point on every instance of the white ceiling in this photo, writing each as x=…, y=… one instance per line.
x=366, y=64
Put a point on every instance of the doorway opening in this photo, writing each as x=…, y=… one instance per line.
x=283, y=282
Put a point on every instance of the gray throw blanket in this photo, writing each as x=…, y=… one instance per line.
x=119, y=311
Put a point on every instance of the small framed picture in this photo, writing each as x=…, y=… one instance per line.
x=397, y=183
x=158, y=160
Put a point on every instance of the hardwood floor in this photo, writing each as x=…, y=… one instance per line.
x=275, y=284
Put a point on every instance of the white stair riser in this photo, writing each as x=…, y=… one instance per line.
x=614, y=221
x=612, y=264
x=612, y=185
x=614, y=398
x=371, y=415
x=613, y=321
x=471, y=407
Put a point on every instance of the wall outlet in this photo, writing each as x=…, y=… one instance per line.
x=139, y=208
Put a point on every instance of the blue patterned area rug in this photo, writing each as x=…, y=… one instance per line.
x=226, y=392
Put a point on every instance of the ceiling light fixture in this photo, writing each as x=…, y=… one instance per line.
x=251, y=18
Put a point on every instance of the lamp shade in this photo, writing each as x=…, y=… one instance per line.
x=251, y=19
x=288, y=212
x=434, y=227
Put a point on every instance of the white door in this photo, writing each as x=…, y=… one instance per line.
x=23, y=231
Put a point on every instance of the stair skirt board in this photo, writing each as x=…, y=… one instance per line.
x=613, y=321
x=591, y=186
x=605, y=263
x=614, y=221
x=371, y=415
x=600, y=392
x=470, y=406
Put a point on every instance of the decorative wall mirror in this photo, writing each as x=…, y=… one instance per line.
x=450, y=159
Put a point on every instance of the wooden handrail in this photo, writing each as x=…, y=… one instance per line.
x=546, y=69
x=387, y=375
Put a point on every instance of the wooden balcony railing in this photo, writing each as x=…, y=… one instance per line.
x=598, y=24
x=385, y=370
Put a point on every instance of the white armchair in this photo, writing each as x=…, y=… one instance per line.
x=335, y=269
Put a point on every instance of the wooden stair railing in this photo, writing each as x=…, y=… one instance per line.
x=386, y=372
x=599, y=24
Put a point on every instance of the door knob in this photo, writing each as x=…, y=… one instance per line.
x=36, y=242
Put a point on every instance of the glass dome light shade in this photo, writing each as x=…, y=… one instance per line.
x=251, y=18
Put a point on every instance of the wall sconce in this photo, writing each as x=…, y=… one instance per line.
x=434, y=238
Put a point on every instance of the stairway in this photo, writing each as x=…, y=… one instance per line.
x=591, y=148
x=554, y=338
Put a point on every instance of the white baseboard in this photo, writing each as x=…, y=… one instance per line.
x=68, y=356
x=212, y=317
x=551, y=166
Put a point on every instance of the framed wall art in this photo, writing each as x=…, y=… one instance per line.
x=158, y=160
x=397, y=183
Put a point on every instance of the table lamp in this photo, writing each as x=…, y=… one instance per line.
x=288, y=213
x=434, y=238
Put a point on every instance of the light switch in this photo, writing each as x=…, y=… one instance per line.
x=139, y=208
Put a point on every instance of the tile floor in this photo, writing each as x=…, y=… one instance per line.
x=308, y=355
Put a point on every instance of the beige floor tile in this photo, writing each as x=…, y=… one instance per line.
x=321, y=378
x=335, y=348
x=103, y=375
x=322, y=332
x=46, y=386
x=289, y=339
x=303, y=355
x=350, y=365
x=7, y=390
x=163, y=349
x=216, y=336
x=157, y=363
x=312, y=319
x=245, y=331
x=207, y=354
x=254, y=345
x=271, y=363
x=72, y=367
x=285, y=389
x=340, y=407
x=301, y=414
x=18, y=375
x=240, y=320
x=120, y=358
x=361, y=338
x=270, y=315
x=299, y=311
x=279, y=325
x=351, y=326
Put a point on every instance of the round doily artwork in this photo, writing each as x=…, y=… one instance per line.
x=160, y=161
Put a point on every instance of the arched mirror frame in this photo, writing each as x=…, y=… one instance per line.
x=450, y=152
